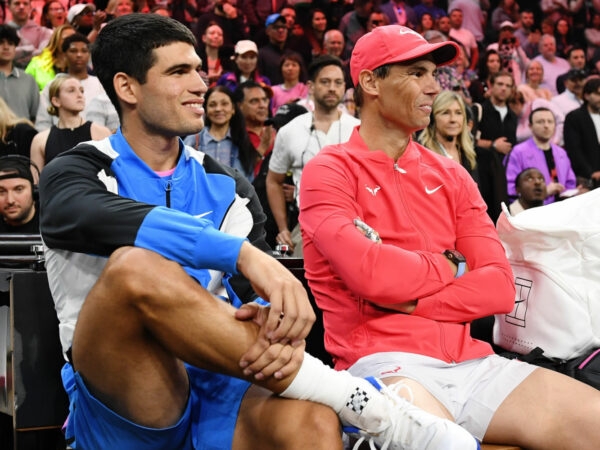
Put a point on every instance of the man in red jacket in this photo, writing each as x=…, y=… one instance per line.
x=401, y=257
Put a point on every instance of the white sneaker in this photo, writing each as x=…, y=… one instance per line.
x=412, y=428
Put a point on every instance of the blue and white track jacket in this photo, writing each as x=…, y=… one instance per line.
x=101, y=196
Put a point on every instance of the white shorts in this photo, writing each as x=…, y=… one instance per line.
x=471, y=390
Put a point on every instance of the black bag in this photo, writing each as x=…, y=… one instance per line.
x=585, y=368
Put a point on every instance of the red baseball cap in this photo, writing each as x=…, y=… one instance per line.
x=393, y=44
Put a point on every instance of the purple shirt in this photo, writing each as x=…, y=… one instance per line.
x=527, y=154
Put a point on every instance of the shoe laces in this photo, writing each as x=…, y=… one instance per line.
x=392, y=392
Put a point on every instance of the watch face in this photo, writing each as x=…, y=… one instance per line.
x=454, y=256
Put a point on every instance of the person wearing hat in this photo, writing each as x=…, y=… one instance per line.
x=245, y=58
x=512, y=56
x=577, y=60
x=401, y=256
x=18, y=89
x=18, y=207
x=304, y=137
x=270, y=54
x=571, y=98
x=81, y=16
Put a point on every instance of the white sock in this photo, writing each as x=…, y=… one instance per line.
x=356, y=401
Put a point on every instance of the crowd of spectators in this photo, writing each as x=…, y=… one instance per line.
x=545, y=53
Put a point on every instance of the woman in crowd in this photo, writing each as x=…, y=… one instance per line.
x=53, y=14
x=315, y=31
x=67, y=102
x=533, y=96
x=246, y=60
x=16, y=133
x=224, y=135
x=216, y=59
x=426, y=23
x=44, y=67
x=564, y=36
x=118, y=8
x=448, y=132
x=489, y=65
x=293, y=87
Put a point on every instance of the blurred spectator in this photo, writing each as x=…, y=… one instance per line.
x=512, y=57
x=455, y=76
x=592, y=34
x=253, y=101
x=376, y=19
x=76, y=49
x=474, y=16
x=315, y=31
x=497, y=134
x=33, y=36
x=333, y=43
x=572, y=97
x=448, y=133
x=67, y=102
x=576, y=60
x=443, y=26
x=118, y=8
x=81, y=16
x=426, y=23
x=217, y=58
x=53, y=14
x=532, y=88
x=224, y=135
x=564, y=37
x=228, y=17
x=506, y=11
x=399, y=12
x=429, y=7
x=270, y=54
x=581, y=132
x=44, y=67
x=528, y=34
x=553, y=65
x=17, y=88
x=464, y=36
x=354, y=23
x=489, y=65
x=554, y=9
x=531, y=191
x=100, y=110
x=245, y=60
x=257, y=11
x=293, y=87
x=538, y=151
x=16, y=133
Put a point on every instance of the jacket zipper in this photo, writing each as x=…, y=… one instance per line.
x=168, y=188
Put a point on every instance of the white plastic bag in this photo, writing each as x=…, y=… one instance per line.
x=554, y=252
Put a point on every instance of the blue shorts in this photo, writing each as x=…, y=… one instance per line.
x=208, y=422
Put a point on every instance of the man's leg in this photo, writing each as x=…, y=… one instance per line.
x=305, y=425
x=548, y=410
x=141, y=319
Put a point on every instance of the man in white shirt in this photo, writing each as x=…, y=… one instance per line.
x=464, y=36
x=301, y=139
x=76, y=49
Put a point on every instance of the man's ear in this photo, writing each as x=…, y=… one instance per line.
x=126, y=88
x=368, y=82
